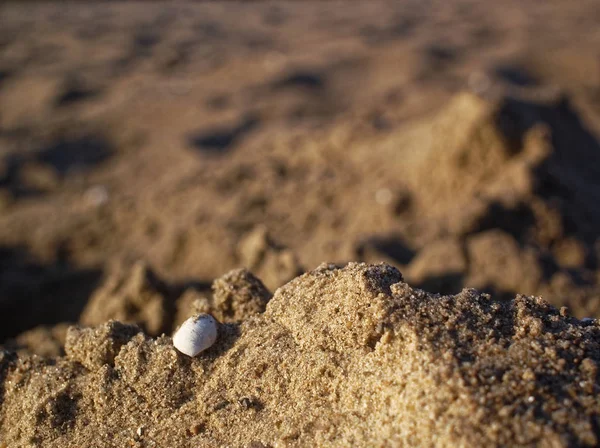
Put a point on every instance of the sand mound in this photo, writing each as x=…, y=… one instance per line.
x=512, y=150
x=506, y=188
x=341, y=357
x=131, y=295
x=505, y=183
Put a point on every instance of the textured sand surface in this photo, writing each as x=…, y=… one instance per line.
x=157, y=160
x=340, y=357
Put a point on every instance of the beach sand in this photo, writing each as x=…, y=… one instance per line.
x=160, y=160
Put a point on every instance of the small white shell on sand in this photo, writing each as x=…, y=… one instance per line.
x=196, y=334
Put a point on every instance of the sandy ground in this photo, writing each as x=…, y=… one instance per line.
x=148, y=149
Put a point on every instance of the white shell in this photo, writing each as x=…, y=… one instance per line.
x=196, y=334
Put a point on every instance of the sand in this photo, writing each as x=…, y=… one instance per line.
x=348, y=356
x=162, y=160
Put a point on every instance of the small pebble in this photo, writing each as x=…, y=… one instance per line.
x=96, y=196
x=479, y=83
x=196, y=334
x=383, y=196
x=196, y=429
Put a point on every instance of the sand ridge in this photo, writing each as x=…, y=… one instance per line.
x=341, y=356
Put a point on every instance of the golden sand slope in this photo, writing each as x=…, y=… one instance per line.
x=347, y=356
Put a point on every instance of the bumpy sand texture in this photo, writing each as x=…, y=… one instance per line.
x=347, y=356
x=131, y=295
x=147, y=149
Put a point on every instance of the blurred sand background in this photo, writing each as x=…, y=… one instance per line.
x=204, y=137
